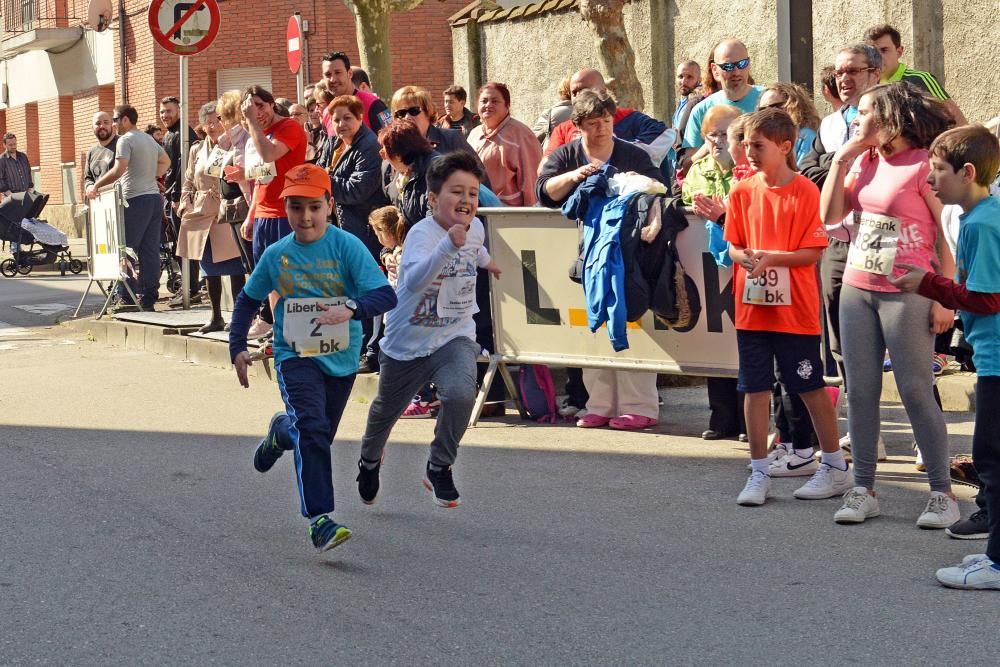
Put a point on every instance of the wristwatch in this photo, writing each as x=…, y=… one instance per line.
x=353, y=306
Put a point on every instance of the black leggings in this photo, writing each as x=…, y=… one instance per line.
x=986, y=456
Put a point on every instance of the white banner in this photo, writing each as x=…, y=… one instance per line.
x=107, y=235
x=539, y=314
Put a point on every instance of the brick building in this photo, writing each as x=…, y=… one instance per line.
x=59, y=71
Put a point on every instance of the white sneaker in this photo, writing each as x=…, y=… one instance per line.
x=756, y=491
x=976, y=575
x=258, y=329
x=941, y=511
x=793, y=465
x=918, y=458
x=972, y=558
x=858, y=506
x=827, y=482
x=779, y=451
x=845, y=444
x=568, y=410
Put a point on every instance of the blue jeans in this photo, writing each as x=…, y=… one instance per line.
x=143, y=221
x=314, y=404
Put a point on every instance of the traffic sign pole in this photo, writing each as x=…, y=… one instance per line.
x=295, y=48
x=185, y=264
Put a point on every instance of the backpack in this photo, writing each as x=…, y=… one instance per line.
x=538, y=392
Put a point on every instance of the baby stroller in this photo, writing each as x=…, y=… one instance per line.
x=168, y=244
x=33, y=242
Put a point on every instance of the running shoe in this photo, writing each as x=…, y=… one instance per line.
x=567, y=409
x=941, y=512
x=258, y=329
x=845, y=445
x=793, y=465
x=779, y=450
x=327, y=533
x=368, y=482
x=979, y=574
x=918, y=461
x=939, y=362
x=442, y=485
x=826, y=483
x=976, y=527
x=755, y=491
x=887, y=365
x=417, y=409
x=858, y=505
x=269, y=450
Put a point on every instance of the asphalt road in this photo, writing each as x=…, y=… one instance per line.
x=134, y=530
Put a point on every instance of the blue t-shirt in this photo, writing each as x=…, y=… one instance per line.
x=804, y=143
x=692, y=133
x=338, y=264
x=978, y=258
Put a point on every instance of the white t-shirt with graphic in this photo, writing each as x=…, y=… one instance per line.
x=436, y=290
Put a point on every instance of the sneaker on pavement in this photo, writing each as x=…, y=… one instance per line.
x=258, y=329
x=981, y=575
x=442, y=485
x=793, y=465
x=845, y=445
x=826, y=483
x=756, y=490
x=567, y=409
x=941, y=512
x=327, y=533
x=368, y=482
x=858, y=505
x=887, y=365
x=269, y=450
x=939, y=362
x=918, y=462
x=976, y=527
x=779, y=451
x=417, y=410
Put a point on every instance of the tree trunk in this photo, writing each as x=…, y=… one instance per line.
x=606, y=19
x=371, y=21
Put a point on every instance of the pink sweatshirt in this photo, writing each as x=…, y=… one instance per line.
x=511, y=154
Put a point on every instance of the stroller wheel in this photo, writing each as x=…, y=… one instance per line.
x=8, y=267
x=75, y=266
x=24, y=270
x=174, y=284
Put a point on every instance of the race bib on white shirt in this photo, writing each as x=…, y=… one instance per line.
x=256, y=169
x=457, y=297
x=216, y=160
x=873, y=249
x=771, y=288
x=305, y=336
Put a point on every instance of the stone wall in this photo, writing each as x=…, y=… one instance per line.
x=532, y=46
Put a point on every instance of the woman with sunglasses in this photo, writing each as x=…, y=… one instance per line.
x=795, y=101
x=507, y=147
x=200, y=236
x=414, y=103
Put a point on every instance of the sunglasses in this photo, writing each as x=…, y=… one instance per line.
x=739, y=64
x=408, y=111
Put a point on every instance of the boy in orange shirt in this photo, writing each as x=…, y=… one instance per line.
x=776, y=238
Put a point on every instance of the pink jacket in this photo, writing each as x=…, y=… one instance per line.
x=511, y=154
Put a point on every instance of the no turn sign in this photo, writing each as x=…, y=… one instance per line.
x=184, y=27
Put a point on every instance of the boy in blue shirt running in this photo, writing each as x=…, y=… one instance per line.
x=963, y=163
x=327, y=283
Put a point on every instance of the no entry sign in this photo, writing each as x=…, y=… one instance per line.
x=293, y=38
x=184, y=27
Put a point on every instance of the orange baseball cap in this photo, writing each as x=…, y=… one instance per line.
x=306, y=180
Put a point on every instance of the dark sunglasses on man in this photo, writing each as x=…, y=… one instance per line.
x=400, y=114
x=739, y=64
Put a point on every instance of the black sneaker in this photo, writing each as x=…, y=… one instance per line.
x=367, y=365
x=269, y=450
x=327, y=533
x=442, y=485
x=976, y=527
x=368, y=482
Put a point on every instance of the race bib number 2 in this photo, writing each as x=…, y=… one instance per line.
x=305, y=336
x=874, y=248
x=771, y=288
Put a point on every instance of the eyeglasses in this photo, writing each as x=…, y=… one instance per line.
x=408, y=111
x=739, y=64
x=853, y=71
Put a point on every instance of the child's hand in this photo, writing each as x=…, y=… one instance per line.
x=761, y=262
x=334, y=314
x=747, y=262
x=910, y=280
x=493, y=269
x=242, y=362
x=457, y=234
x=942, y=318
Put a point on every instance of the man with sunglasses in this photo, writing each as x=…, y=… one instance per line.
x=336, y=68
x=139, y=161
x=731, y=68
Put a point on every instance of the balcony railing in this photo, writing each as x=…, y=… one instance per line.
x=25, y=15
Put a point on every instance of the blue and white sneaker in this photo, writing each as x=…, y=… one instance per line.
x=977, y=572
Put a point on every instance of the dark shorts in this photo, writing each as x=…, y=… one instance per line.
x=795, y=356
x=267, y=231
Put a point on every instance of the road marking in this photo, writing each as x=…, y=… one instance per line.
x=11, y=330
x=44, y=308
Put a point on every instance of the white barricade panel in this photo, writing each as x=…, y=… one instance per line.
x=107, y=235
x=539, y=314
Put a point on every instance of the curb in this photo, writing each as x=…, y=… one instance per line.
x=174, y=344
